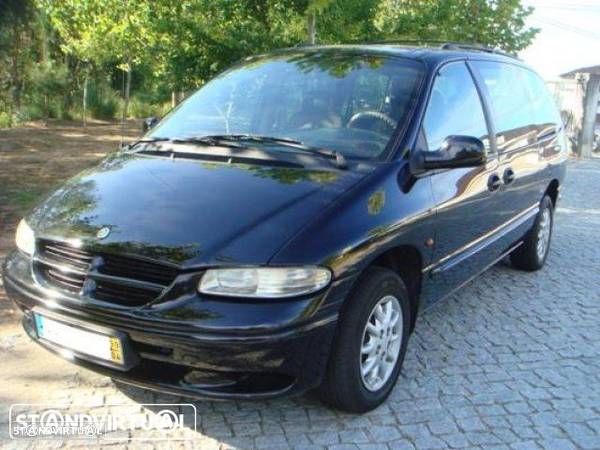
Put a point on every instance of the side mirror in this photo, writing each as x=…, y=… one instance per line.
x=149, y=122
x=455, y=152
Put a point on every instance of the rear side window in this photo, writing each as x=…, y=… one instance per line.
x=454, y=107
x=544, y=110
x=510, y=101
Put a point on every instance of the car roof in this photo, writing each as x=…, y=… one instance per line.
x=432, y=55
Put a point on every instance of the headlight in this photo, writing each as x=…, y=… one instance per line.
x=264, y=282
x=25, y=238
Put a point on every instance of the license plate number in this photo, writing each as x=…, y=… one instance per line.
x=86, y=342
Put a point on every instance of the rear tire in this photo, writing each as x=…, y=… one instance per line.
x=532, y=254
x=370, y=343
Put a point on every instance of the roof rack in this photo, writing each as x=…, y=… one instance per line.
x=441, y=44
x=447, y=45
x=476, y=47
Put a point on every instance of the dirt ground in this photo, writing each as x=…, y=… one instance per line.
x=35, y=158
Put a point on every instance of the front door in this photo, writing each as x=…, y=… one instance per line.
x=466, y=198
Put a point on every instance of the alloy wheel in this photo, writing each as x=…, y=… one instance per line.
x=381, y=342
x=544, y=230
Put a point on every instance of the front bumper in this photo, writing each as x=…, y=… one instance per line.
x=196, y=346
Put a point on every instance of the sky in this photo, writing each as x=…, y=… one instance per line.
x=569, y=36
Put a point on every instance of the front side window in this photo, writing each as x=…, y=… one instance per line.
x=350, y=103
x=454, y=107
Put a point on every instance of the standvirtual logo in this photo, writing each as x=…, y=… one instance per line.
x=150, y=421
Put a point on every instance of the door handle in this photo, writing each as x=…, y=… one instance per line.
x=509, y=176
x=494, y=182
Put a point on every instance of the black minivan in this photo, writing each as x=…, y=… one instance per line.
x=281, y=229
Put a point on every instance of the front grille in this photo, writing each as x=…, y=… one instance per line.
x=64, y=280
x=140, y=270
x=66, y=254
x=123, y=280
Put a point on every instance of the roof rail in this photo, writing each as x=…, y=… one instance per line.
x=446, y=45
x=441, y=44
x=402, y=41
x=476, y=47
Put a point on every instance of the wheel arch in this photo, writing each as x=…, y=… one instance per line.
x=407, y=262
x=552, y=191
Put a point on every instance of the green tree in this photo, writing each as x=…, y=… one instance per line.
x=195, y=39
x=198, y=38
x=15, y=47
x=166, y=45
x=104, y=31
x=49, y=79
x=499, y=23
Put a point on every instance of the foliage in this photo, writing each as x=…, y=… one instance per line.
x=6, y=119
x=142, y=107
x=48, y=79
x=50, y=50
x=350, y=21
x=103, y=101
x=104, y=30
x=15, y=50
x=101, y=30
x=498, y=23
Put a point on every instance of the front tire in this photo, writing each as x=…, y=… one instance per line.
x=370, y=344
x=532, y=254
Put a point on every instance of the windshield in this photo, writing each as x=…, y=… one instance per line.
x=344, y=102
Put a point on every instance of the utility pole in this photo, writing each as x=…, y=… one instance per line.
x=590, y=109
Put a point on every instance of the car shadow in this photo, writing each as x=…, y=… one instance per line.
x=249, y=423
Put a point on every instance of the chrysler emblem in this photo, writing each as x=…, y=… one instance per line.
x=103, y=232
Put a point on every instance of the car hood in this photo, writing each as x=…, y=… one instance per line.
x=188, y=212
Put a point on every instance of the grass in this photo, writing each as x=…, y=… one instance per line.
x=24, y=199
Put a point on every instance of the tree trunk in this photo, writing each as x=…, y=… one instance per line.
x=586, y=138
x=46, y=108
x=85, y=85
x=127, y=91
x=16, y=79
x=312, y=28
x=173, y=99
x=43, y=34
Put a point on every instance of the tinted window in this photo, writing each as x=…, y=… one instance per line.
x=454, y=107
x=511, y=100
x=351, y=103
x=543, y=108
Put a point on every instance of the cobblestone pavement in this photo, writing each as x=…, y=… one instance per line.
x=512, y=361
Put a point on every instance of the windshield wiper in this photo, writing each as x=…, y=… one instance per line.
x=150, y=140
x=208, y=141
x=340, y=161
x=233, y=140
x=255, y=138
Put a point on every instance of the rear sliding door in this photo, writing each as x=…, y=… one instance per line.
x=526, y=125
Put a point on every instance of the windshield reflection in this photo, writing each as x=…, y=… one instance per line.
x=347, y=102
